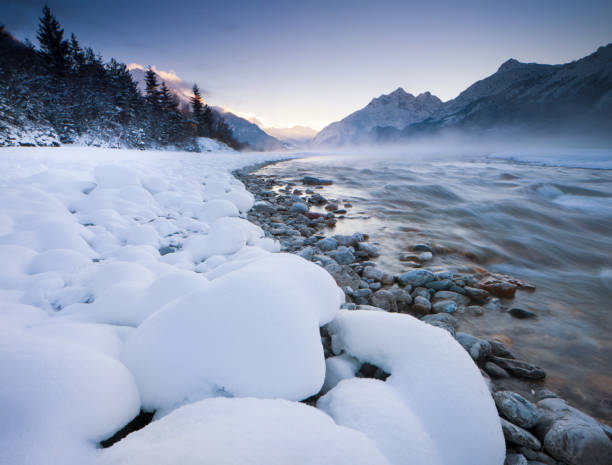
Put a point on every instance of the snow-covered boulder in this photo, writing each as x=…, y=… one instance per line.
x=251, y=332
x=434, y=379
x=244, y=431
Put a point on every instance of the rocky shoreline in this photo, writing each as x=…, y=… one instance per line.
x=539, y=427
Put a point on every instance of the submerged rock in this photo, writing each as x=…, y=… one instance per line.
x=520, y=368
x=312, y=181
x=521, y=313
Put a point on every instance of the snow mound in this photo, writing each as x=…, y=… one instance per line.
x=251, y=332
x=433, y=376
x=58, y=399
x=239, y=431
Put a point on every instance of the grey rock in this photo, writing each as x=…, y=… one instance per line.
x=476, y=294
x=348, y=306
x=421, y=291
x=495, y=371
x=519, y=368
x=343, y=255
x=348, y=241
x=445, y=327
x=372, y=273
x=517, y=409
x=479, y=349
x=521, y=313
x=475, y=310
x=537, y=456
x=450, y=295
x=324, y=260
x=384, y=299
x=422, y=248
x=327, y=244
x=307, y=252
x=262, y=206
x=544, y=393
x=457, y=289
x=312, y=181
x=402, y=299
x=439, y=285
x=371, y=250
x=416, y=278
x=515, y=459
x=420, y=305
x=499, y=349
x=517, y=435
x=375, y=286
x=344, y=275
x=444, y=306
x=442, y=318
x=572, y=436
x=444, y=275
x=298, y=207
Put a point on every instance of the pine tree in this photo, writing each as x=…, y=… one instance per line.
x=151, y=88
x=196, y=104
x=53, y=47
x=207, y=123
x=77, y=58
x=167, y=99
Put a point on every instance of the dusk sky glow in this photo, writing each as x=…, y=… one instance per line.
x=314, y=62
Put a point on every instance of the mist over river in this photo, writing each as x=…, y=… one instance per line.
x=548, y=225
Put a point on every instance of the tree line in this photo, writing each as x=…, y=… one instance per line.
x=69, y=91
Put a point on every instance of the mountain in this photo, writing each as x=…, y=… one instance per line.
x=295, y=135
x=395, y=110
x=519, y=99
x=248, y=133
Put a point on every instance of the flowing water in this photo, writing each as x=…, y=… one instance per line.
x=551, y=226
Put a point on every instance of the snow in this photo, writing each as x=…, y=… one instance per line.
x=433, y=376
x=244, y=431
x=96, y=324
x=251, y=332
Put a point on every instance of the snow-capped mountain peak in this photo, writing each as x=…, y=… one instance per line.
x=397, y=109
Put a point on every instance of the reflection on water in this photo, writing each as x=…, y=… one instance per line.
x=551, y=226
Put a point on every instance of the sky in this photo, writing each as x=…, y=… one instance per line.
x=313, y=62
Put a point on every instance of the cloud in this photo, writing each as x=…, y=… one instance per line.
x=174, y=82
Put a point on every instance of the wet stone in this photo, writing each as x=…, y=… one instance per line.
x=495, y=371
x=519, y=368
x=517, y=409
x=521, y=313
x=517, y=435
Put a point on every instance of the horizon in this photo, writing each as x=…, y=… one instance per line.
x=315, y=75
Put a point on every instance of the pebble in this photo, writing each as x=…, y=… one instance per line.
x=517, y=409
x=416, y=277
x=515, y=459
x=403, y=299
x=421, y=291
x=373, y=273
x=479, y=349
x=439, y=285
x=420, y=305
x=422, y=248
x=497, y=287
x=425, y=256
x=475, y=310
x=312, y=181
x=450, y=295
x=517, y=435
x=475, y=293
x=499, y=349
x=444, y=306
x=442, y=318
x=343, y=255
x=384, y=299
x=495, y=371
x=371, y=250
x=521, y=313
x=345, y=276
x=520, y=368
x=327, y=244
x=299, y=207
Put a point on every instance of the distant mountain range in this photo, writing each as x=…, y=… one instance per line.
x=520, y=98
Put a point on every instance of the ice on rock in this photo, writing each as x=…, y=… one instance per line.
x=376, y=409
x=225, y=431
x=58, y=399
x=433, y=375
x=251, y=332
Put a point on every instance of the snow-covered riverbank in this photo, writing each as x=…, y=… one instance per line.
x=129, y=280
